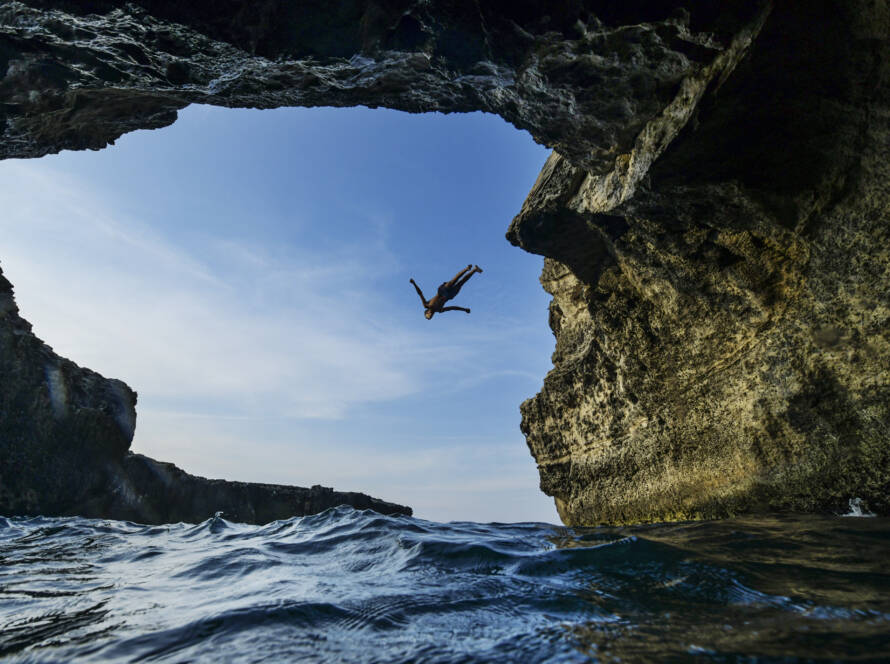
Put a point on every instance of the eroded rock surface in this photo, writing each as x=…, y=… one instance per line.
x=722, y=326
x=583, y=77
x=65, y=434
x=714, y=216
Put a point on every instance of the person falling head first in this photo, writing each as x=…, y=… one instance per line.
x=447, y=291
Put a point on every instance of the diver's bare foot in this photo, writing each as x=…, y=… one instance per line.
x=477, y=268
x=468, y=311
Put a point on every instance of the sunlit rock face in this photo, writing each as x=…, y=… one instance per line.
x=721, y=320
x=714, y=215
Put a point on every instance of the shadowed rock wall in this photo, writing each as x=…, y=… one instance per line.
x=582, y=76
x=61, y=427
x=714, y=216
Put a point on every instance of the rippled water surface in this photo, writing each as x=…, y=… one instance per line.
x=355, y=586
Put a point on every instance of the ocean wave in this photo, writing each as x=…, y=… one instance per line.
x=356, y=586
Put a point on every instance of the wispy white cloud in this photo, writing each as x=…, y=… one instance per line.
x=260, y=333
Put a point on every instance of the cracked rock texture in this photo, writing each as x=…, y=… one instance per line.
x=65, y=433
x=714, y=215
x=721, y=319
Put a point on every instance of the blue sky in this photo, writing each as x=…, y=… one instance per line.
x=247, y=273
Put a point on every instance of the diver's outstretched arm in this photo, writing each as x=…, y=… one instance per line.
x=420, y=293
x=455, y=309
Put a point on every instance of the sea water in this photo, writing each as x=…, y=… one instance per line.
x=355, y=586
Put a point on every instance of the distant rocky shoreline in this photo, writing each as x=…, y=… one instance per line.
x=65, y=434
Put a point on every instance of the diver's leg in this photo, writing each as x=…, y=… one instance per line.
x=469, y=274
x=456, y=288
x=459, y=275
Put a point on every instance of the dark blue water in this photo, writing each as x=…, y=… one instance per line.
x=352, y=586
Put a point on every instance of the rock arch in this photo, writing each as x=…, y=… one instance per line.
x=714, y=215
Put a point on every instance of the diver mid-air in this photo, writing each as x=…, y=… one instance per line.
x=447, y=291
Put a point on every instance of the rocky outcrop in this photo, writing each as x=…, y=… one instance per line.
x=60, y=425
x=721, y=316
x=65, y=433
x=583, y=77
x=714, y=216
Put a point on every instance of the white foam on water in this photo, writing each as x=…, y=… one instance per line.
x=856, y=509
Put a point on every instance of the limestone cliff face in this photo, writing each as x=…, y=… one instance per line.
x=714, y=216
x=65, y=433
x=722, y=319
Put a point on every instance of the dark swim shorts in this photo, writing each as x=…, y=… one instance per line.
x=445, y=292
